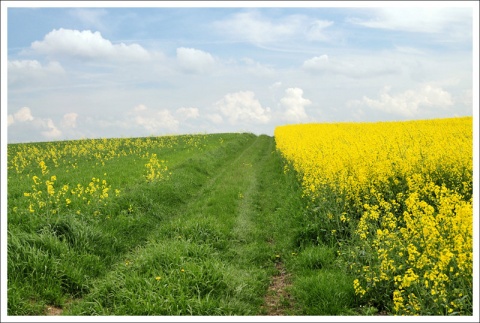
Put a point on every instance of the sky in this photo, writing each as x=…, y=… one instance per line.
x=90, y=70
x=156, y=69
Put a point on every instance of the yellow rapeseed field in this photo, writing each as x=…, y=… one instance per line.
x=399, y=204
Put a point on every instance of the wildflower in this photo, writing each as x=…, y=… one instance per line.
x=50, y=189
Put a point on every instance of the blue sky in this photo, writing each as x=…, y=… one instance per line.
x=100, y=72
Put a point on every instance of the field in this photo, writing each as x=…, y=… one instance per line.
x=313, y=221
x=396, y=200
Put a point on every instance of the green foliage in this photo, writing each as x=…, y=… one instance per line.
x=199, y=241
x=326, y=292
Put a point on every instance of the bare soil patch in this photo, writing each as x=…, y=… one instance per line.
x=278, y=300
x=54, y=311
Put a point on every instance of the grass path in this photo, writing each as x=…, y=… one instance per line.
x=216, y=253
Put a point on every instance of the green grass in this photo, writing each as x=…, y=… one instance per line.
x=205, y=241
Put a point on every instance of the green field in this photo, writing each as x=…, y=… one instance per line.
x=209, y=225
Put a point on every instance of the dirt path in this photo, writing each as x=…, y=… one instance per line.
x=278, y=300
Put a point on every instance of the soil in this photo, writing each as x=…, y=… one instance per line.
x=278, y=300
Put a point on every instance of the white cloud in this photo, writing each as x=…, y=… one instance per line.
x=410, y=103
x=52, y=131
x=188, y=113
x=23, y=121
x=294, y=105
x=242, y=107
x=70, y=120
x=317, y=63
x=215, y=118
x=23, y=71
x=139, y=108
x=448, y=22
x=34, y=65
x=194, y=60
x=358, y=67
x=23, y=115
x=155, y=121
x=316, y=30
x=87, y=45
x=253, y=27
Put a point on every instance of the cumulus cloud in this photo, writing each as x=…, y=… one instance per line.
x=154, y=120
x=215, y=118
x=23, y=115
x=254, y=27
x=24, y=121
x=194, y=60
x=294, y=105
x=354, y=68
x=51, y=131
x=87, y=45
x=22, y=71
x=70, y=120
x=317, y=63
x=410, y=103
x=242, y=107
x=188, y=113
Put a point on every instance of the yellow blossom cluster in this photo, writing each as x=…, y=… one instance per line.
x=156, y=169
x=46, y=197
x=402, y=193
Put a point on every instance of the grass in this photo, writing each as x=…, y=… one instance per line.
x=204, y=241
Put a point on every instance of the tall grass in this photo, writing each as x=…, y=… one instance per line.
x=201, y=238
